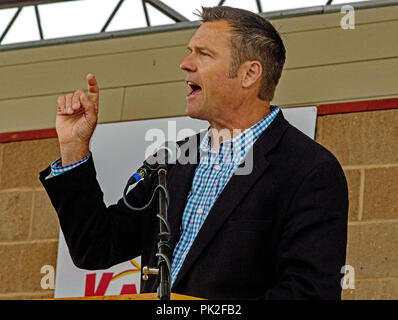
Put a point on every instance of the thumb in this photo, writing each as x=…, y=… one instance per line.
x=93, y=89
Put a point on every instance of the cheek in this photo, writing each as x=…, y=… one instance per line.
x=220, y=86
x=226, y=89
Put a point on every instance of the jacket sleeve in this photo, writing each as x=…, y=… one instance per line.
x=97, y=236
x=312, y=248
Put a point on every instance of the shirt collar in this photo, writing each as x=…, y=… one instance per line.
x=236, y=148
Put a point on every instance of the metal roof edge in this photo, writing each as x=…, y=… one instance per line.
x=194, y=24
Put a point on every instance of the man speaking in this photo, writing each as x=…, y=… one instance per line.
x=276, y=232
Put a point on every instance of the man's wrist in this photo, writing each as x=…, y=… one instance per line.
x=73, y=153
x=57, y=168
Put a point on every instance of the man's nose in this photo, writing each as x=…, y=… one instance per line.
x=188, y=64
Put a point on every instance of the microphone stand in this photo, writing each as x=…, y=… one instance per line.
x=164, y=238
x=164, y=266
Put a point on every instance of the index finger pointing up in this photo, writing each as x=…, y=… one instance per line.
x=93, y=89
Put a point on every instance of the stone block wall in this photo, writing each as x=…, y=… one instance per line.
x=29, y=227
x=366, y=144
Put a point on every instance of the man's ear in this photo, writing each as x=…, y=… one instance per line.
x=252, y=71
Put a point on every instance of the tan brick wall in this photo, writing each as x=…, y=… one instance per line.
x=366, y=144
x=29, y=227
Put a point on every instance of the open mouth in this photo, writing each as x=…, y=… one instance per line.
x=195, y=89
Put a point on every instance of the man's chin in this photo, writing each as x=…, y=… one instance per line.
x=192, y=111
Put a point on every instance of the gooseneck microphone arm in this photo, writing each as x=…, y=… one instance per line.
x=164, y=266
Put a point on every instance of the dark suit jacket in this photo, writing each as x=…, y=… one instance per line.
x=277, y=233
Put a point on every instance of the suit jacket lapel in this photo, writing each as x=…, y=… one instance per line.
x=182, y=176
x=234, y=192
x=178, y=191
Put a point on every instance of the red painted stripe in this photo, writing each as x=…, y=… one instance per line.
x=358, y=106
x=28, y=135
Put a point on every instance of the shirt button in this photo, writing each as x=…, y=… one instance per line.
x=217, y=167
x=200, y=211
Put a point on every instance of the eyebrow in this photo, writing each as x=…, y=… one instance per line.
x=202, y=48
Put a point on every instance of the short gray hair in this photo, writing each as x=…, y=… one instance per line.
x=254, y=38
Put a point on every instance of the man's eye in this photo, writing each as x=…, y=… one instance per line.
x=204, y=53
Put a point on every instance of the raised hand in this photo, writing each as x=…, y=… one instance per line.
x=76, y=119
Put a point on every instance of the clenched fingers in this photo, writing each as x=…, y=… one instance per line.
x=76, y=104
x=68, y=103
x=71, y=103
x=61, y=104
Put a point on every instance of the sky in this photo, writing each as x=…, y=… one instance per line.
x=81, y=17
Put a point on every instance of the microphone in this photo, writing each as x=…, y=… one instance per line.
x=166, y=154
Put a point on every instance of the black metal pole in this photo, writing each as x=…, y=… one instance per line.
x=39, y=22
x=164, y=237
x=10, y=24
x=148, y=21
x=112, y=15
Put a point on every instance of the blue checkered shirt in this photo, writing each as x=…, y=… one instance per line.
x=57, y=168
x=211, y=176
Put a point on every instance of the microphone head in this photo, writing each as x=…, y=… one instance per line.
x=167, y=153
